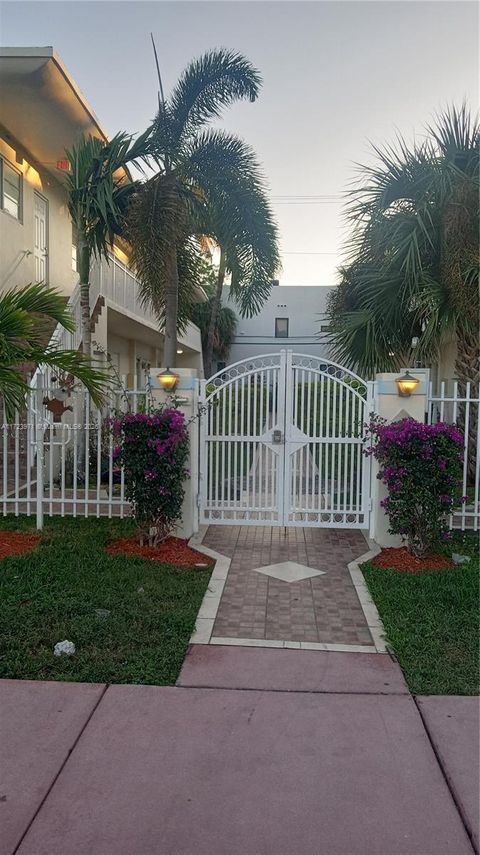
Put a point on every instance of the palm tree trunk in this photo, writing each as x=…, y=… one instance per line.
x=84, y=276
x=215, y=303
x=467, y=370
x=467, y=362
x=171, y=312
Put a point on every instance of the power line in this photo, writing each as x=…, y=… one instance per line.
x=306, y=252
x=307, y=196
x=320, y=199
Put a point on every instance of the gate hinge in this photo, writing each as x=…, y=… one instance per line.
x=198, y=500
x=370, y=505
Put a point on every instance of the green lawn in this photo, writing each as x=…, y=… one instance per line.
x=432, y=622
x=52, y=594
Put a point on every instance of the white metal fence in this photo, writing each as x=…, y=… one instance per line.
x=64, y=465
x=52, y=465
x=460, y=407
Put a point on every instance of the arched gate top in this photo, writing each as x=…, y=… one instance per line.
x=319, y=365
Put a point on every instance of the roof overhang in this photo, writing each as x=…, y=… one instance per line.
x=41, y=107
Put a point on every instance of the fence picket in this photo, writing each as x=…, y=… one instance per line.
x=41, y=465
x=461, y=409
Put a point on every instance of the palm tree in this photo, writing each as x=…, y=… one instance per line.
x=413, y=254
x=25, y=318
x=99, y=189
x=225, y=323
x=237, y=218
x=207, y=183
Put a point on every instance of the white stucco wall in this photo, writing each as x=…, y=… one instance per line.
x=305, y=309
x=17, y=268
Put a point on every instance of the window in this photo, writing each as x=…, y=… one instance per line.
x=281, y=327
x=11, y=190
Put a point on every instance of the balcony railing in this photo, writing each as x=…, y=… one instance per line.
x=116, y=282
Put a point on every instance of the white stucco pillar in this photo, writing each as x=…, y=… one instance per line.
x=186, y=395
x=391, y=407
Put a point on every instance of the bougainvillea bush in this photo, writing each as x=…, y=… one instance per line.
x=422, y=467
x=153, y=451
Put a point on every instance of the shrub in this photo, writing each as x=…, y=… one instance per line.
x=422, y=467
x=153, y=450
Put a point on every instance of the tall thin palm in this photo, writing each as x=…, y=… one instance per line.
x=413, y=254
x=207, y=182
x=99, y=189
x=26, y=316
x=225, y=323
x=237, y=218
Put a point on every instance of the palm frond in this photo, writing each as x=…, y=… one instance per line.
x=206, y=87
x=237, y=215
x=40, y=299
x=457, y=135
x=414, y=218
x=99, y=188
x=158, y=220
x=24, y=312
x=225, y=327
x=23, y=315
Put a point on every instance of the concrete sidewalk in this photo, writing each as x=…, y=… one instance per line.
x=311, y=763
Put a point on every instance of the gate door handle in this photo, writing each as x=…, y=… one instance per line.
x=277, y=437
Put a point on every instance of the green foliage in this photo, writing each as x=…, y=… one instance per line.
x=413, y=253
x=153, y=451
x=207, y=183
x=99, y=188
x=422, y=467
x=52, y=593
x=26, y=317
x=431, y=621
x=226, y=321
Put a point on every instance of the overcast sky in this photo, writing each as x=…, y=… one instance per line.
x=335, y=75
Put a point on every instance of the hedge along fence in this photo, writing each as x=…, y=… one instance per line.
x=153, y=450
x=422, y=467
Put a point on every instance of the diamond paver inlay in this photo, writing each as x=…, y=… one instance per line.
x=289, y=571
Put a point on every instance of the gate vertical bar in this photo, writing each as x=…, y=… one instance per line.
x=285, y=411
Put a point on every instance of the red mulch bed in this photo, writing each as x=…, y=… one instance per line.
x=400, y=559
x=17, y=543
x=173, y=550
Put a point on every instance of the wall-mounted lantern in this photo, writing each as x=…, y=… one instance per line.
x=406, y=384
x=168, y=380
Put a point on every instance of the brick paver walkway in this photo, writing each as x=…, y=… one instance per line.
x=322, y=609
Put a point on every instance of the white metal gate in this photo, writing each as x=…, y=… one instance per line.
x=281, y=444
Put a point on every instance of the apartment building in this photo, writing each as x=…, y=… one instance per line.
x=43, y=112
x=293, y=317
